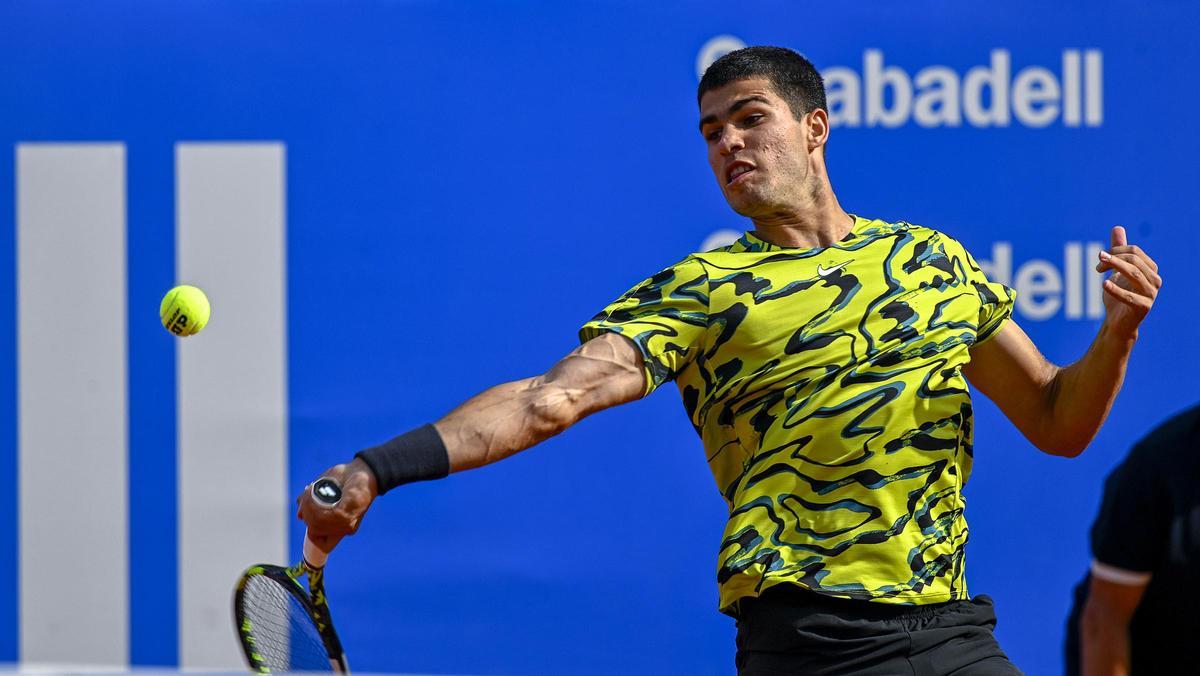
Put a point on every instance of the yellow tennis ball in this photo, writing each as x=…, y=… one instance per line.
x=184, y=310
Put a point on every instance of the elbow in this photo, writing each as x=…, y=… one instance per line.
x=1058, y=434
x=1064, y=448
x=1060, y=439
x=1054, y=436
x=553, y=409
x=549, y=422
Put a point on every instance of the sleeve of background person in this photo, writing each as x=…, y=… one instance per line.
x=1128, y=539
x=1060, y=409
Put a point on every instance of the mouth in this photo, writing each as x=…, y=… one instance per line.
x=737, y=171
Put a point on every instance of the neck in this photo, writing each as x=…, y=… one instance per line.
x=819, y=222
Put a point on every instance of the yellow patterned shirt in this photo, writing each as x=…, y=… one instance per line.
x=826, y=385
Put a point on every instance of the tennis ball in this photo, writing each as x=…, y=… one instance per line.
x=184, y=310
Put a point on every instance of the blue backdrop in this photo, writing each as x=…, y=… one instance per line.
x=468, y=182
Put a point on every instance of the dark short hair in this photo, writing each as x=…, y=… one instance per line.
x=792, y=76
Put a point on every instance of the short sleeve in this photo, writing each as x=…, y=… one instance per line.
x=665, y=316
x=995, y=301
x=1131, y=531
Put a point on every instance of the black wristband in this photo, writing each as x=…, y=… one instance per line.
x=418, y=455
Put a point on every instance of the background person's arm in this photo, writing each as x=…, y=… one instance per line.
x=1104, y=627
x=601, y=373
x=1060, y=409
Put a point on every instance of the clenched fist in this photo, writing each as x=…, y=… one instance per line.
x=328, y=524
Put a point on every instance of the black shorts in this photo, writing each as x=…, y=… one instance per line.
x=789, y=630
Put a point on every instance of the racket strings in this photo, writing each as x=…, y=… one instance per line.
x=283, y=633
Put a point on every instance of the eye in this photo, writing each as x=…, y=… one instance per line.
x=753, y=118
x=713, y=135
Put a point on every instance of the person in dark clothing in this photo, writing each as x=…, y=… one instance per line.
x=1134, y=612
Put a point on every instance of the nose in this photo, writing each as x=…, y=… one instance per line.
x=731, y=141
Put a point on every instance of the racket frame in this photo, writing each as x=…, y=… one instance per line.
x=313, y=601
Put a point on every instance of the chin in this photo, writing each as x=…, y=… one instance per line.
x=741, y=211
x=742, y=205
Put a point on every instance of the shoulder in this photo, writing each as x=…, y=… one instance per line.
x=725, y=257
x=687, y=269
x=881, y=226
x=925, y=240
x=915, y=232
x=942, y=242
x=1178, y=434
x=688, y=277
x=927, y=233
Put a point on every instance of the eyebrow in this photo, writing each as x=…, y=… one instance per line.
x=737, y=105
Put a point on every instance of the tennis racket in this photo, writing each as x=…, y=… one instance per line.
x=281, y=626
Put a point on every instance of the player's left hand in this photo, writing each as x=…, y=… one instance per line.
x=1130, y=292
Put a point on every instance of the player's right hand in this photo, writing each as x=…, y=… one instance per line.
x=328, y=524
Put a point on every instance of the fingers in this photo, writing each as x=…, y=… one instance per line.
x=338, y=520
x=1140, y=269
x=1118, y=236
x=325, y=521
x=1136, y=251
x=1135, y=268
x=1128, y=297
x=1135, y=284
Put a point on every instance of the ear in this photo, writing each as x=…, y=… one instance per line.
x=817, y=123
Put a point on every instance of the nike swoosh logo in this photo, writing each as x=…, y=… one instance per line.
x=825, y=272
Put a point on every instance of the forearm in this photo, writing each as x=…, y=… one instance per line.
x=504, y=420
x=1104, y=644
x=1061, y=409
x=486, y=428
x=603, y=372
x=508, y=418
x=1079, y=396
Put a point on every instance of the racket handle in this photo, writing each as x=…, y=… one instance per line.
x=328, y=493
x=313, y=555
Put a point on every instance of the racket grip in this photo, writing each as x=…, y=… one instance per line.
x=313, y=555
x=328, y=493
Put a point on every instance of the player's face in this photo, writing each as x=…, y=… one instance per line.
x=758, y=151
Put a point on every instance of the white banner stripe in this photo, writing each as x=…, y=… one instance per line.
x=230, y=242
x=73, y=403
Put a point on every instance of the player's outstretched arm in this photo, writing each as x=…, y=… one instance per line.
x=491, y=426
x=1060, y=409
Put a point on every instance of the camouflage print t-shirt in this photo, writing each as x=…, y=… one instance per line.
x=826, y=385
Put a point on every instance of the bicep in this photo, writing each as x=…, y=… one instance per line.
x=603, y=372
x=1010, y=371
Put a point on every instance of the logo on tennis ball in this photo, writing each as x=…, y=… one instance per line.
x=184, y=310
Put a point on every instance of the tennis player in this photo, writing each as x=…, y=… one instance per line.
x=823, y=359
